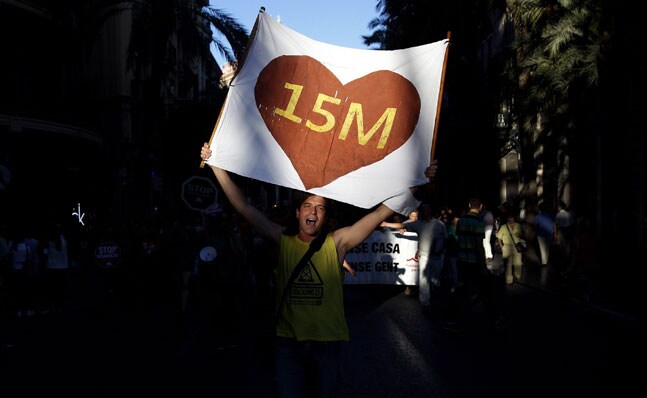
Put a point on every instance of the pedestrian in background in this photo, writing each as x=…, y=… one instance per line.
x=432, y=235
x=451, y=248
x=509, y=234
x=413, y=216
x=488, y=221
x=474, y=279
x=565, y=223
x=546, y=232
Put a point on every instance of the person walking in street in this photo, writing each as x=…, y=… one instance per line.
x=509, y=234
x=310, y=329
x=565, y=223
x=546, y=233
x=413, y=216
x=488, y=221
x=451, y=247
x=474, y=279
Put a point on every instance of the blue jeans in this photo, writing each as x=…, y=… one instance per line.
x=307, y=368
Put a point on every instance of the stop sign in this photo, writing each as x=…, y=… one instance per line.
x=107, y=254
x=199, y=193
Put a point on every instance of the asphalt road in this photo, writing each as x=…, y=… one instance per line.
x=551, y=347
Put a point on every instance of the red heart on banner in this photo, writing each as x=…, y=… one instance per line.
x=328, y=129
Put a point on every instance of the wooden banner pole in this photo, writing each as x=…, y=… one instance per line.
x=440, y=99
x=252, y=35
x=432, y=155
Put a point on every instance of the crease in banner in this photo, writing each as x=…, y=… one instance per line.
x=352, y=125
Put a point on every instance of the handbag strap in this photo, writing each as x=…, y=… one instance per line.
x=314, y=246
x=511, y=234
x=516, y=247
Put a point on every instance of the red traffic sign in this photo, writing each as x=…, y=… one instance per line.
x=199, y=193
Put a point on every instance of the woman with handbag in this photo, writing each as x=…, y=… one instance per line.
x=509, y=236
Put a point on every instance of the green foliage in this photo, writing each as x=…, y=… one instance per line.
x=231, y=29
x=403, y=23
x=557, y=47
x=558, y=50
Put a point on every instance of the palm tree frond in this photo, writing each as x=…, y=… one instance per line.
x=230, y=28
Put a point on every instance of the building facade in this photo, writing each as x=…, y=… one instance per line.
x=101, y=104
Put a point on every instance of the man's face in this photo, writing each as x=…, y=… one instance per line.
x=311, y=215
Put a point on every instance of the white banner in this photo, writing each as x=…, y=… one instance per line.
x=347, y=124
x=385, y=257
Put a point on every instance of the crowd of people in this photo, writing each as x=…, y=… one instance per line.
x=212, y=268
x=198, y=267
x=456, y=253
x=457, y=267
x=34, y=264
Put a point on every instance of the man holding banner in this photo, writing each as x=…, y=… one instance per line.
x=311, y=324
x=356, y=126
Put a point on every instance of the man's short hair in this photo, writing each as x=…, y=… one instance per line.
x=298, y=197
x=475, y=203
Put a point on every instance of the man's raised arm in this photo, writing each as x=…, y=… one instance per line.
x=261, y=224
x=351, y=236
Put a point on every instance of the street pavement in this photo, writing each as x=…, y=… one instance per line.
x=552, y=346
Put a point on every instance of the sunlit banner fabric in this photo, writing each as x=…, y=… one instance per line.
x=385, y=257
x=351, y=125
